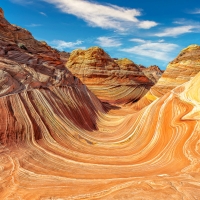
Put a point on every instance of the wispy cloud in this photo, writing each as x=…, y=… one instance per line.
x=147, y=24
x=34, y=25
x=42, y=13
x=156, y=50
x=195, y=11
x=106, y=16
x=61, y=45
x=179, y=30
x=108, y=42
x=22, y=2
x=137, y=40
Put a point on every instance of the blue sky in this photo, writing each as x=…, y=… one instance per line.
x=145, y=31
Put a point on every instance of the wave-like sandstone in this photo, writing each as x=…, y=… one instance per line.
x=179, y=71
x=114, y=81
x=149, y=154
x=58, y=141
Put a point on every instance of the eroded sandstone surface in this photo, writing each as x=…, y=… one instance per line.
x=153, y=72
x=114, y=81
x=59, y=141
x=184, y=67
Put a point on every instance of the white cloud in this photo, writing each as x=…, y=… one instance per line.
x=105, y=16
x=61, y=45
x=137, y=40
x=161, y=40
x=34, y=25
x=175, y=31
x=156, y=50
x=196, y=11
x=42, y=13
x=147, y=24
x=108, y=42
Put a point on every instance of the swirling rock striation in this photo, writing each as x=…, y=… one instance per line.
x=145, y=155
x=113, y=81
x=26, y=63
x=184, y=67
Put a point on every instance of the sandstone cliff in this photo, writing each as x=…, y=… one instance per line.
x=152, y=72
x=119, y=81
x=33, y=75
x=184, y=67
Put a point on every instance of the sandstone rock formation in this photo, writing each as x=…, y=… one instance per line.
x=179, y=71
x=27, y=65
x=153, y=72
x=119, y=81
x=57, y=140
x=1, y=13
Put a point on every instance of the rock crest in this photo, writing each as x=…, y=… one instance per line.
x=114, y=81
x=1, y=13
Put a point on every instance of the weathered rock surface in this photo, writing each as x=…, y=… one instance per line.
x=153, y=72
x=119, y=81
x=58, y=142
x=26, y=63
x=179, y=71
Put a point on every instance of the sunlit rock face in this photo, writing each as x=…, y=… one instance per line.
x=58, y=141
x=153, y=72
x=147, y=154
x=113, y=81
x=184, y=67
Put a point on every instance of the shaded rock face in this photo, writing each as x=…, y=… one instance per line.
x=29, y=68
x=26, y=63
x=57, y=141
x=153, y=72
x=64, y=56
x=114, y=81
x=1, y=13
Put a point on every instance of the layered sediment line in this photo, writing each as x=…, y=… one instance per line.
x=133, y=155
x=114, y=81
x=153, y=72
x=184, y=67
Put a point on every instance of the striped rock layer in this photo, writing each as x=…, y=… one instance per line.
x=184, y=67
x=113, y=81
x=58, y=141
x=60, y=144
x=152, y=72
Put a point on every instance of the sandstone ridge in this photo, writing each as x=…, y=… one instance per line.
x=26, y=63
x=114, y=81
x=152, y=72
x=184, y=67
